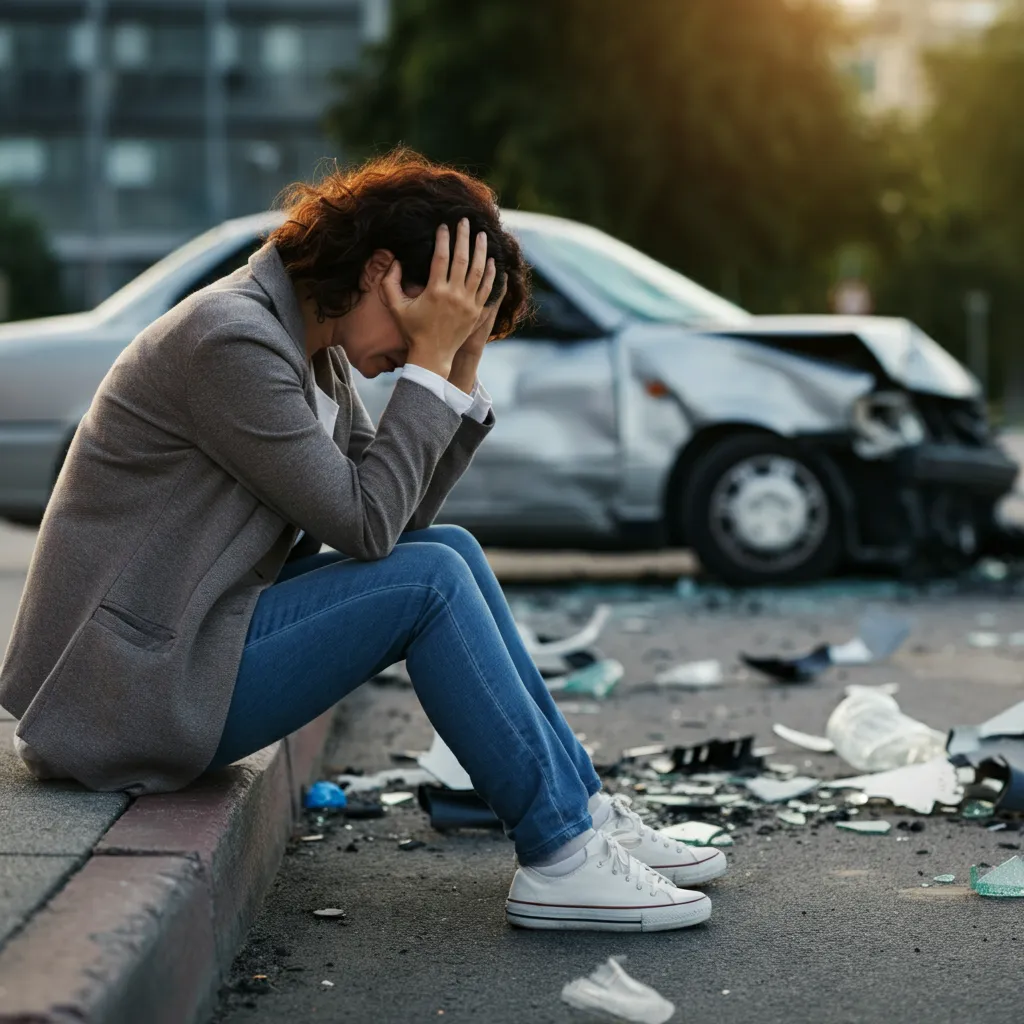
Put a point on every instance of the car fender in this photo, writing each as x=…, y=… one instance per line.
x=675, y=384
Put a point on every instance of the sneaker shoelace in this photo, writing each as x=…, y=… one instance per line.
x=634, y=831
x=625, y=864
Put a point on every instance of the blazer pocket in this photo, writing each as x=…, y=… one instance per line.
x=139, y=632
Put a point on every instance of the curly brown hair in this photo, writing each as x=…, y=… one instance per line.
x=394, y=202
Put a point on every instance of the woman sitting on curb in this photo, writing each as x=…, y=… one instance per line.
x=177, y=615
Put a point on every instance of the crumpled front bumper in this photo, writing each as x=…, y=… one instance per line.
x=987, y=472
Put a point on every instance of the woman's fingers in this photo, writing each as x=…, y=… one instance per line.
x=479, y=264
x=483, y=293
x=439, y=263
x=391, y=286
x=460, y=260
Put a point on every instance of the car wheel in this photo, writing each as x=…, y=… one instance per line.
x=757, y=512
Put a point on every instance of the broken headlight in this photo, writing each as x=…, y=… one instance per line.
x=884, y=422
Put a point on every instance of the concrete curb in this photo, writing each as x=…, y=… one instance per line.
x=147, y=929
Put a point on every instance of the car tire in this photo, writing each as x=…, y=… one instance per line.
x=758, y=512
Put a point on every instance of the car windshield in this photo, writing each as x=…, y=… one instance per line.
x=632, y=282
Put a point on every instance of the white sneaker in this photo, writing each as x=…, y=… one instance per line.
x=610, y=891
x=679, y=863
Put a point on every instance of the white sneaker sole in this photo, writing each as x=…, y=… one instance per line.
x=686, y=876
x=608, y=919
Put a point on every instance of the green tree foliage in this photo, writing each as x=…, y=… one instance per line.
x=958, y=178
x=716, y=135
x=27, y=264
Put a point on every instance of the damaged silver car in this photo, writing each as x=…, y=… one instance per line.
x=634, y=409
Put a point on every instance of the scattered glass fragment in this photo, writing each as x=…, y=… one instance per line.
x=327, y=984
x=312, y=839
x=663, y=765
x=329, y=912
x=597, y=680
x=411, y=844
x=997, y=827
x=788, y=770
x=926, y=885
x=394, y=799
x=1004, y=881
x=325, y=794
x=868, y=828
x=610, y=991
x=693, y=833
x=772, y=790
x=791, y=817
x=650, y=750
x=723, y=840
x=944, y=879
x=725, y=799
x=693, y=675
x=978, y=809
x=695, y=788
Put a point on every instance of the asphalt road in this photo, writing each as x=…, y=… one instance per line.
x=810, y=925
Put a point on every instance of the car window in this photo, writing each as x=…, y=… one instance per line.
x=230, y=263
x=640, y=287
x=554, y=317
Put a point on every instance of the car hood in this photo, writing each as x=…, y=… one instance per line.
x=901, y=350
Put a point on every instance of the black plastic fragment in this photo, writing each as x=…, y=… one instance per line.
x=717, y=755
x=792, y=670
x=450, y=808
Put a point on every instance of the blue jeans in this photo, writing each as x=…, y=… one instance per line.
x=329, y=623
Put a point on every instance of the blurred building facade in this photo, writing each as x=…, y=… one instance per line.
x=130, y=125
x=895, y=33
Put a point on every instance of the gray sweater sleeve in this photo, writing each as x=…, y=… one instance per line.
x=455, y=461
x=251, y=416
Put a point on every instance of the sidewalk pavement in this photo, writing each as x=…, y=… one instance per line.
x=118, y=910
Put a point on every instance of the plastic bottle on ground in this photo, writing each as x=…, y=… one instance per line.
x=872, y=734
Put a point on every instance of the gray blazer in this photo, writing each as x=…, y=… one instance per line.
x=181, y=496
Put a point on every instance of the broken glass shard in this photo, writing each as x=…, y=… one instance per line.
x=944, y=879
x=693, y=833
x=1005, y=881
x=978, y=809
x=597, y=680
x=394, y=799
x=610, y=991
x=868, y=828
x=693, y=675
x=792, y=817
x=723, y=840
x=779, y=790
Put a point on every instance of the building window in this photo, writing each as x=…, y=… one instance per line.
x=130, y=164
x=22, y=161
x=225, y=46
x=376, y=20
x=83, y=46
x=281, y=51
x=6, y=46
x=130, y=46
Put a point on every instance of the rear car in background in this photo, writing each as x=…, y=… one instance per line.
x=636, y=409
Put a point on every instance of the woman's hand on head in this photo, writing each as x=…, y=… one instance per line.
x=440, y=320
